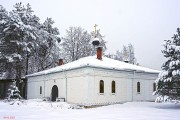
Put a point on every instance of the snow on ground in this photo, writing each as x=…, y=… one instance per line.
x=38, y=110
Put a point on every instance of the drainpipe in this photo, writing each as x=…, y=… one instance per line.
x=133, y=85
x=65, y=76
x=44, y=88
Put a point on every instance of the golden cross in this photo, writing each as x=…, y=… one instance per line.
x=95, y=28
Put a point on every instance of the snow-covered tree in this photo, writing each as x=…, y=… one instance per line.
x=47, y=52
x=31, y=27
x=132, y=58
x=168, y=82
x=119, y=56
x=126, y=54
x=11, y=41
x=4, y=59
x=27, y=46
x=18, y=37
x=76, y=44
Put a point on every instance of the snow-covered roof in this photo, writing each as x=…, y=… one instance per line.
x=106, y=63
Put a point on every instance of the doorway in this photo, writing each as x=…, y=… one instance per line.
x=54, y=93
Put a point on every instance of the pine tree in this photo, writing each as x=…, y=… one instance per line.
x=168, y=83
x=5, y=59
x=48, y=50
x=17, y=38
x=27, y=46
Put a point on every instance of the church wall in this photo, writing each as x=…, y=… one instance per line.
x=76, y=92
x=75, y=85
x=46, y=82
x=126, y=86
x=122, y=80
x=80, y=86
x=83, y=86
x=93, y=77
x=57, y=80
x=33, y=88
x=146, y=86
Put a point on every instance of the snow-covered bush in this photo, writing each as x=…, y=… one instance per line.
x=13, y=94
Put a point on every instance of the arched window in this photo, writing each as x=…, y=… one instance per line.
x=101, y=86
x=113, y=85
x=154, y=86
x=138, y=87
x=40, y=89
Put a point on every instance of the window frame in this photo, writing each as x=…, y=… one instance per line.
x=40, y=90
x=101, y=87
x=113, y=87
x=154, y=87
x=138, y=87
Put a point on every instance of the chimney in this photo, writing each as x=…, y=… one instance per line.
x=99, y=53
x=60, y=62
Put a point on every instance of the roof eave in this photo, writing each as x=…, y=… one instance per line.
x=87, y=65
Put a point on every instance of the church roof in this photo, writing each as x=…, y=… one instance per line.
x=105, y=63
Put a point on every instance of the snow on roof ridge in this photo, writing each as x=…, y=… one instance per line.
x=94, y=62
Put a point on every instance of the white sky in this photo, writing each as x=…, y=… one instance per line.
x=143, y=23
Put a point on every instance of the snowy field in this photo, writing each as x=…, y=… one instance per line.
x=38, y=110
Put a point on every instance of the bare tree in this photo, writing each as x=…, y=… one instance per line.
x=132, y=58
x=126, y=54
x=76, y=44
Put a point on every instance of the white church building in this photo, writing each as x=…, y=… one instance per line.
x=94, y=80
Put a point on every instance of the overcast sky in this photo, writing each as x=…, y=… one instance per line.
x=143, y=23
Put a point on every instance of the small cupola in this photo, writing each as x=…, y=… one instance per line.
x=96, y=42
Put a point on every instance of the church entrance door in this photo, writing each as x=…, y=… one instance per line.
x=54, y=93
